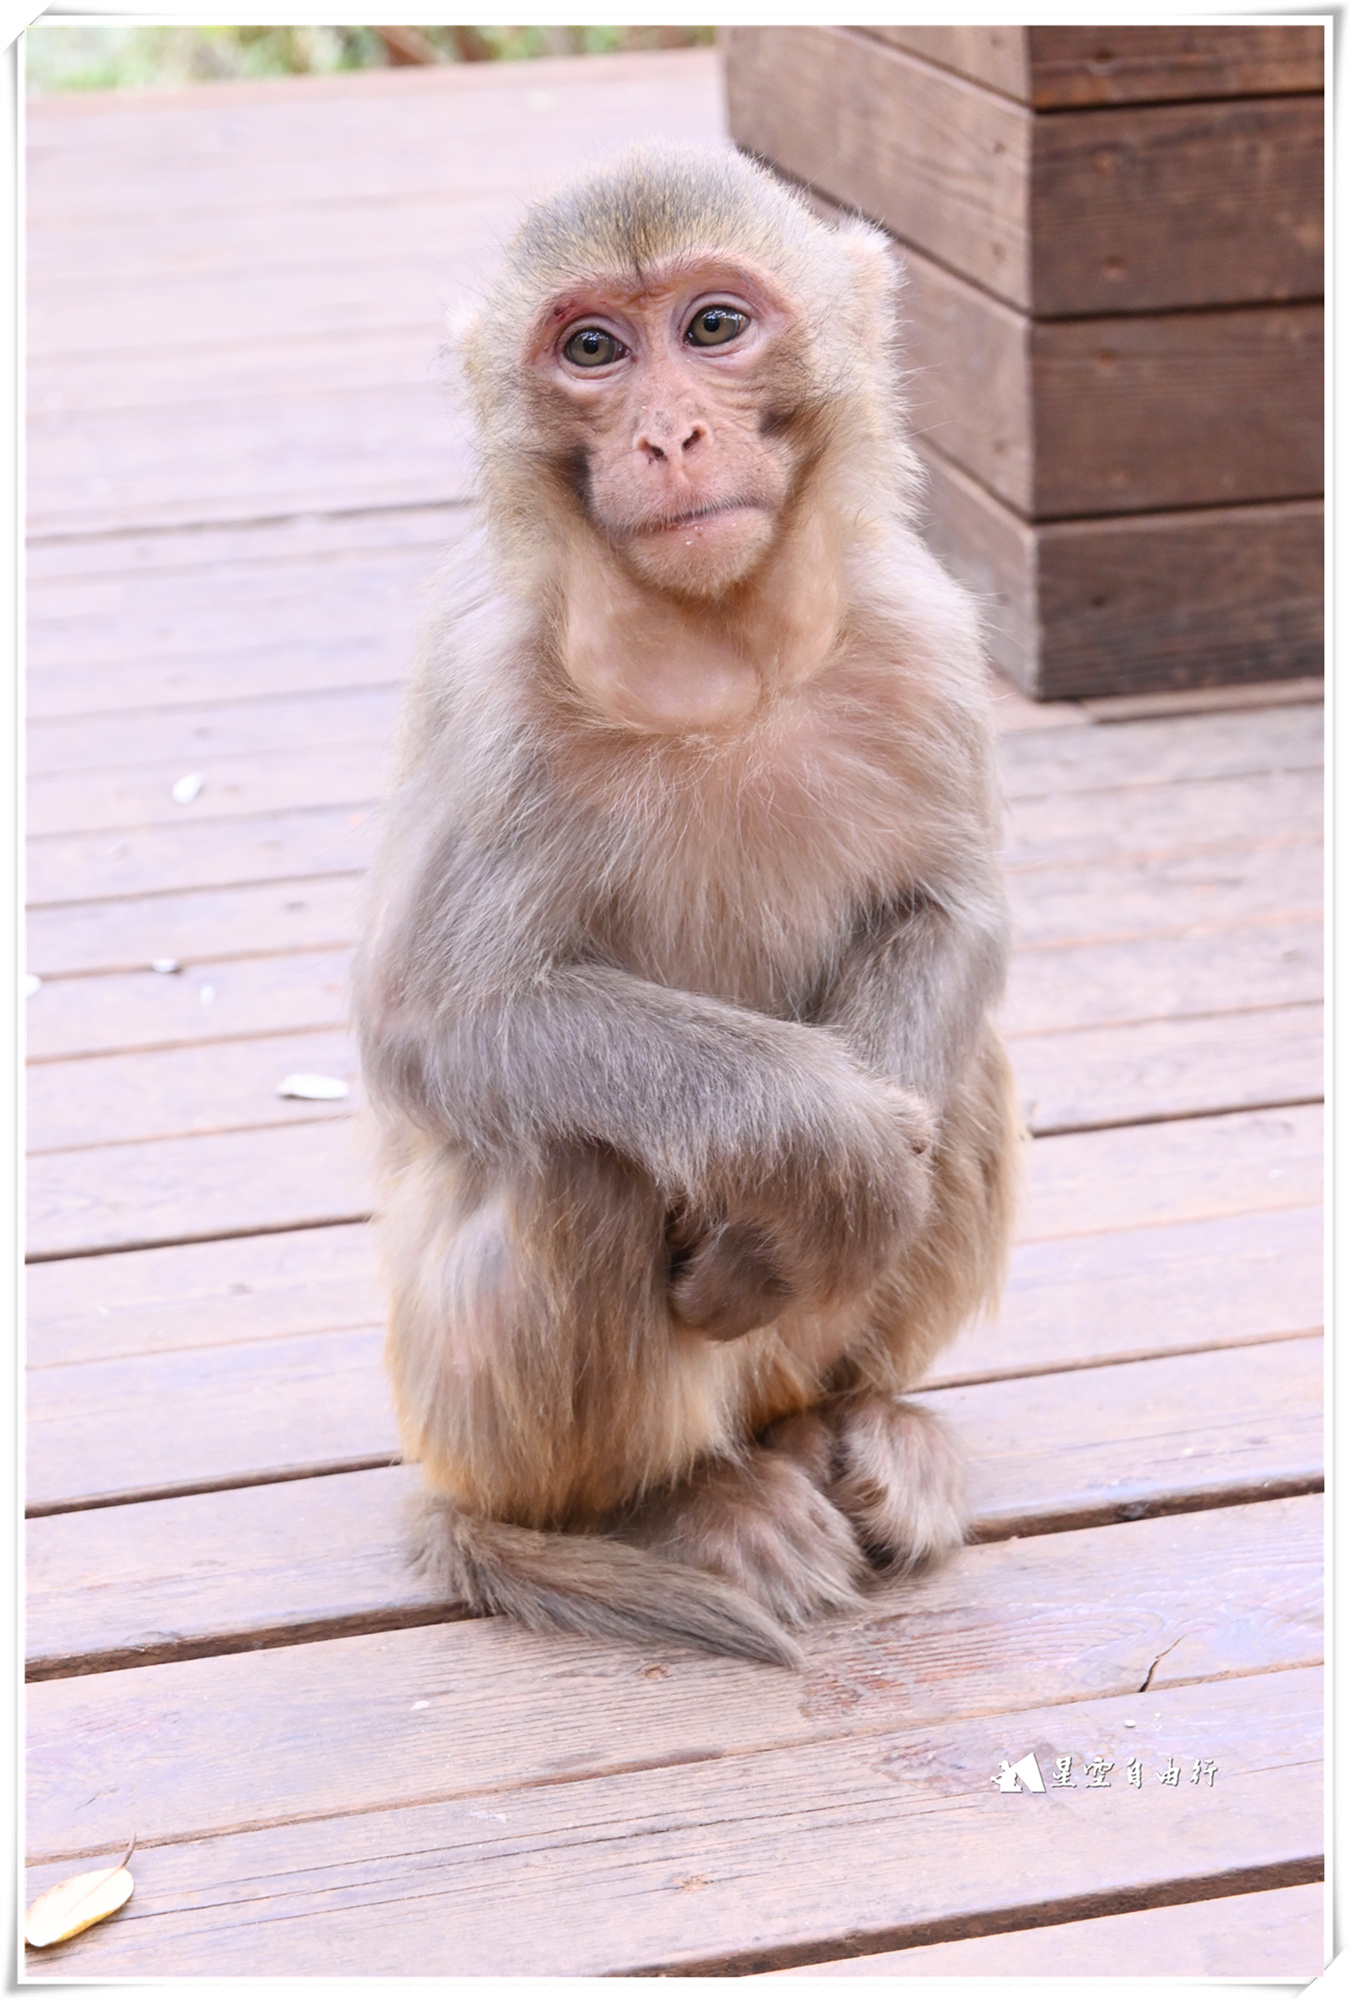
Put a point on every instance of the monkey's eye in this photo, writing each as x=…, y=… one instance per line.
x=714, y=326
x=592, y=347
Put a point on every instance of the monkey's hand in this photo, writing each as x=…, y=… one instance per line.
x=839, y=1209
x=728, y=1283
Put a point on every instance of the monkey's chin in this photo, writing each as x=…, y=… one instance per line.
x=704, y=555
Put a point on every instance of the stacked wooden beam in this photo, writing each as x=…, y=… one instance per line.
x=1113, y=239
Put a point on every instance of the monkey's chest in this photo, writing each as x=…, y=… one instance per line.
x=757, y=907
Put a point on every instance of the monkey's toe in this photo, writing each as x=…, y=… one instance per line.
x=901, y=1480
x=762, y=1524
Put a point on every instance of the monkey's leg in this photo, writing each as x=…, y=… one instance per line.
x=894, y=1469
x=761, y=1522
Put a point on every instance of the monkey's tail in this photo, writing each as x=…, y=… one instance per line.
x=592, y=1585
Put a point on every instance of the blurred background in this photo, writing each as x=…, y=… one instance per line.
x=124, y=55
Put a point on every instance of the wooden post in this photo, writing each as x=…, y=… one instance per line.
x=1113, y=240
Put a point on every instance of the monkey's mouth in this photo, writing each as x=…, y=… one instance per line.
x=698, y=517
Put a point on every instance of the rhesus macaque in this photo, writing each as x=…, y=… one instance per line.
x=675, y=994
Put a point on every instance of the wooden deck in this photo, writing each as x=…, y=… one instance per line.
x=241, y=472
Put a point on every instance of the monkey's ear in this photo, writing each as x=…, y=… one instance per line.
x=879, y=276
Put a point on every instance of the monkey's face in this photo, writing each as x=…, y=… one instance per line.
x=668, y=407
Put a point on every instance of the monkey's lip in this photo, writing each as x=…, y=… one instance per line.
x=716, y=510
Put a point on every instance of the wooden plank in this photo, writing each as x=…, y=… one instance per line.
x=317, y=237
x=1066, y=1081
x=1078, y=608
x=1141, y=1437
x=188, y=1190
x=168, y=1093
x=271, y=1409
x=197, y=1749
x=1244, y=1162
x=210, y=609
x=1131, y=1294
x=309, y=1557
x=183, y=1190
x=1114, y=415
x=740, y=1864
x=1099, y=985
x=1055, y=215
x=1138, y=413
x=251, y=1288
x=263, y=668
x=299, y=776
x=100, y=472
x=222, y=1572
x=65, y=753
x=92, y=577
x=1270, y=808
x=1144, y=63
x=1191, y=747
x=1117, y=708
x=1276, y=1934
x=255, y=146
x=940, y=162
x=193, y=856
x=1158, y=206
x=317, y=1402
x=1102, y=985
x=1069, y=1302
x=1176, y=895
x=315, y=913
x=112, y=1013
x=1074, y=1081
x=1181, y=895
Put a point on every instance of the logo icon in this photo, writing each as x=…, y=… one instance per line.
x=1027, y=1769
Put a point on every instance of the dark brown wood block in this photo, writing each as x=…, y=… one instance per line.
x=1115, y=415
x=1116, y=209
x=1126, y=603
x=1060, y=67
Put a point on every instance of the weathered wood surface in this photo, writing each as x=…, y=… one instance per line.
x=1114, y=415
x=1060, y=67
x=202, y=1573
x=738, y=1864
x=1057, y=215
x=221, y=1599
x=1104, y=605
x=424, y=148
x=1275, y=1934
x=305, y=1172
x=204, y=1747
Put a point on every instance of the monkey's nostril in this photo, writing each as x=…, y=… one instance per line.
x=694, y=437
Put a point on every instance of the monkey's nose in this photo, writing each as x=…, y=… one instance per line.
x=661, y=439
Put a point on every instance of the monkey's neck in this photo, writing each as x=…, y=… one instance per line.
x=669, y=666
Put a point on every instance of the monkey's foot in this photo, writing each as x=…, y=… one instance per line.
x=761, y=1523
x=899, y=1476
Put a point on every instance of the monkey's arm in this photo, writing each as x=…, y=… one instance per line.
x=762, y=1130
x=911, y=992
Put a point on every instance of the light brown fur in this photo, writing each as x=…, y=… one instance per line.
x=675, y=993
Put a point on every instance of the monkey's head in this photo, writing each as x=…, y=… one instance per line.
x=675, y=351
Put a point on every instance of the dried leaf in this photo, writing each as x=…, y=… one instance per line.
x=318, y=1088
x=185, y=790
x=81, y=1900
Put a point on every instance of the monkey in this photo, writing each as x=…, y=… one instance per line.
x=674, y=997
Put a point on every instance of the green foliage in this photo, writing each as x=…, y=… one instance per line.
x=87, y=55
